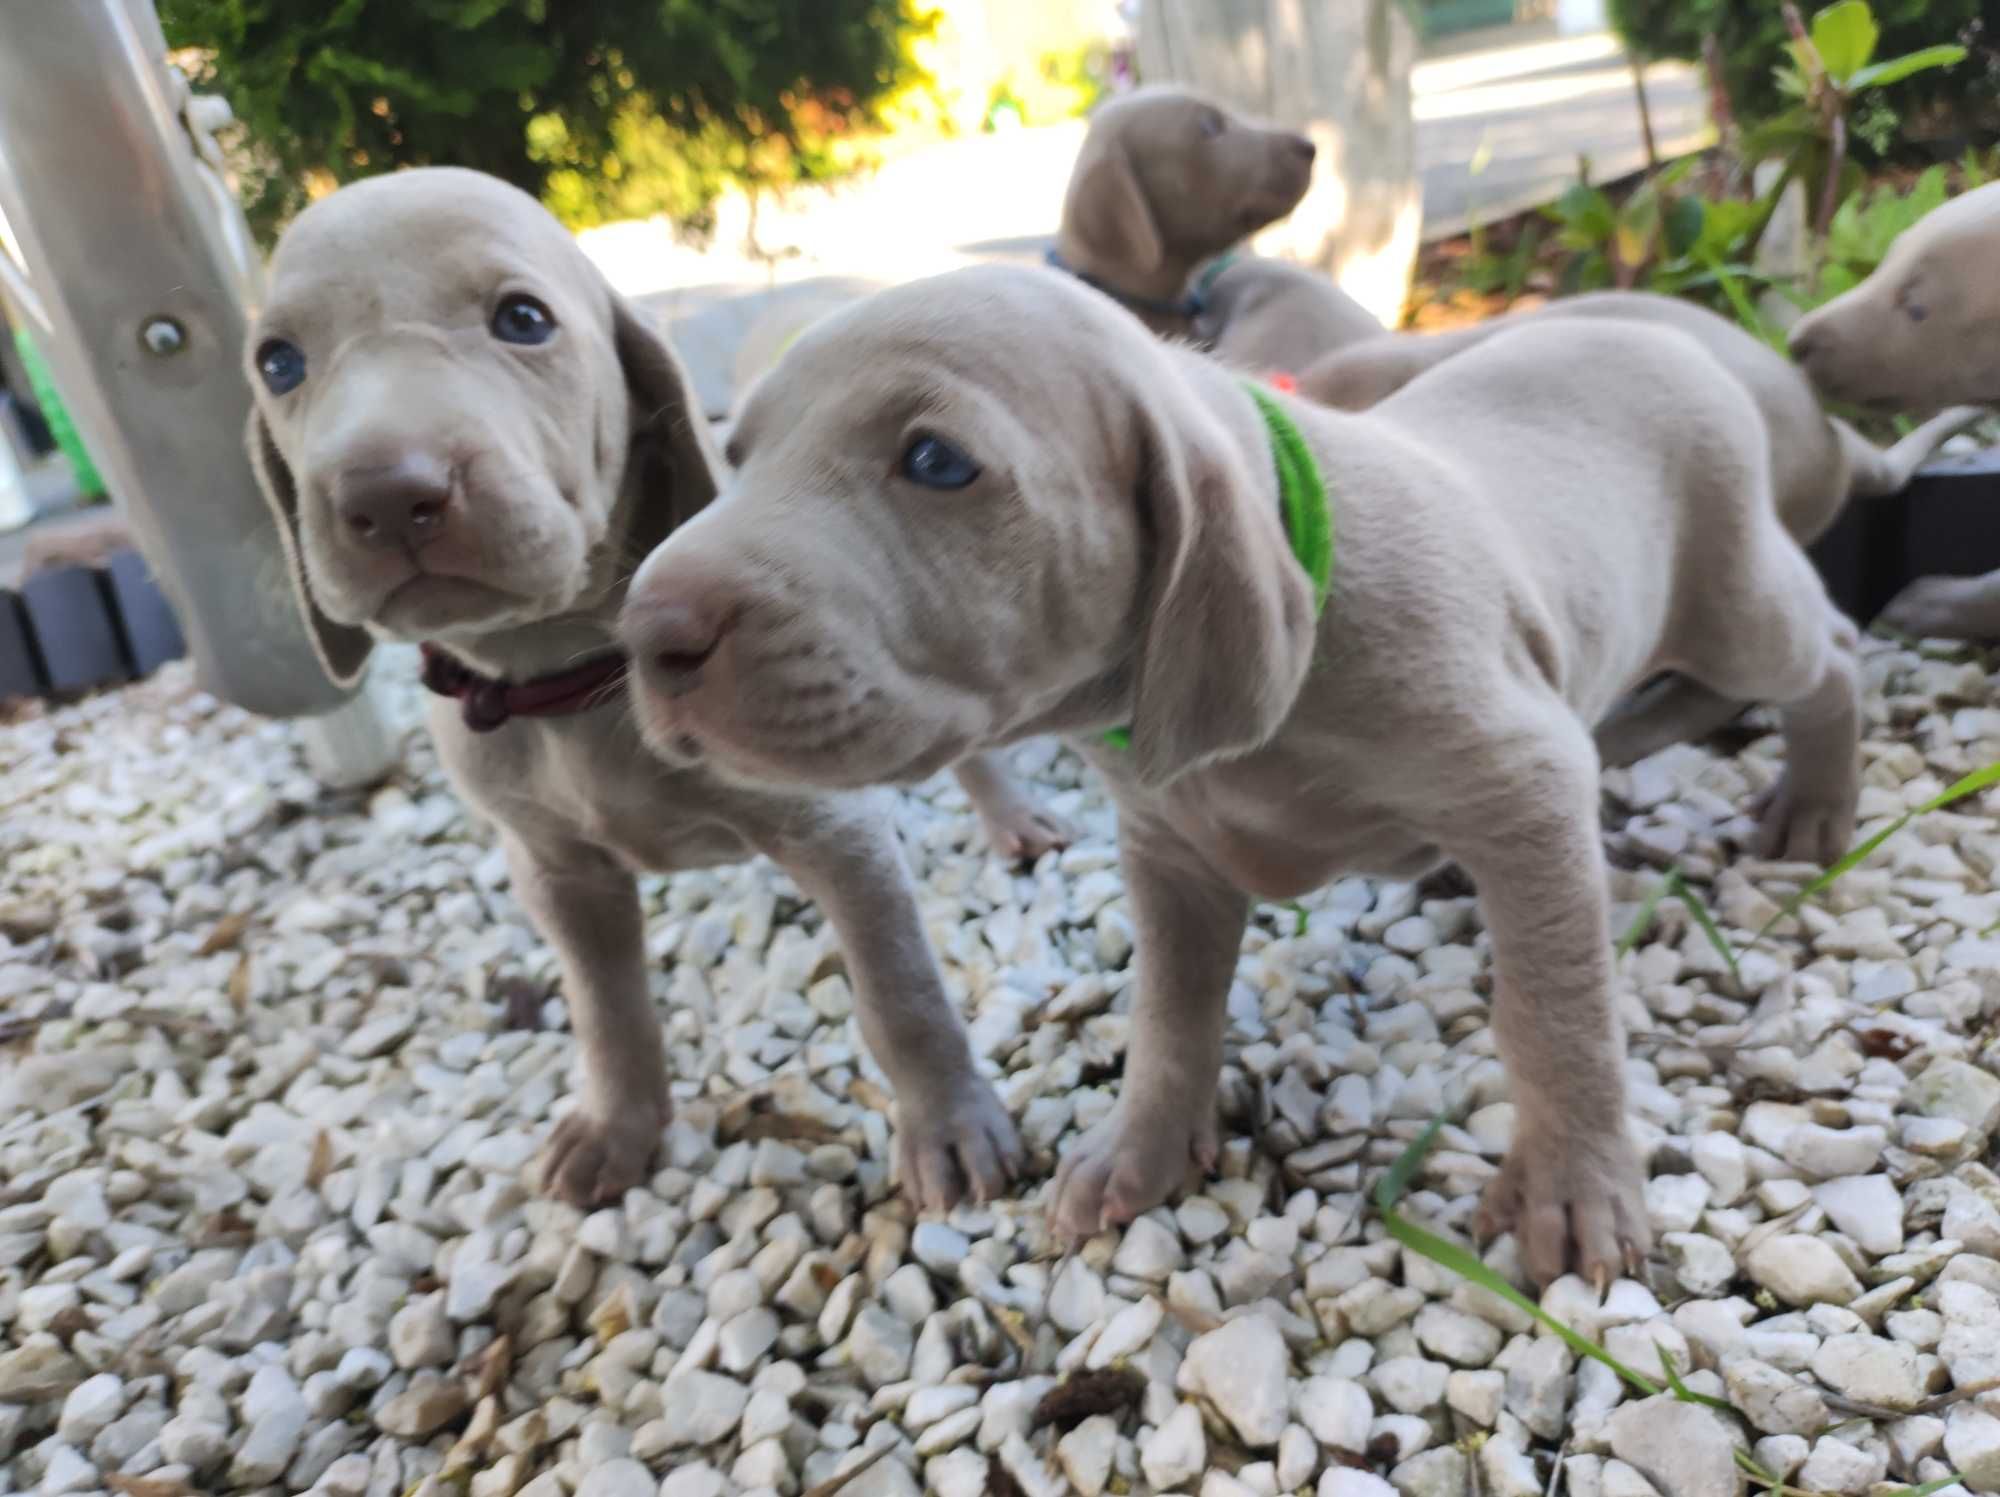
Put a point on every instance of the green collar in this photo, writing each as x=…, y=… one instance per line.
x=1302, y=500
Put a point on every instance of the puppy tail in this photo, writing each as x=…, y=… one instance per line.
x=1876, y=472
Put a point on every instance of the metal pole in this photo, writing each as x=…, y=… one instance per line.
x=140, y=280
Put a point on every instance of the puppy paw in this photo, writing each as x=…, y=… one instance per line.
x=1019, y=831
x=1947, y=608
x=1127, y=1165
x=593, y=1160
x=962, y=1144
x=1807, y=825
x=1573, y=1209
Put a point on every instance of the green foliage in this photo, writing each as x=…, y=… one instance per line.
x=1832, y=77
x=1867, y=223
x=608, y=104
x=1061, y=86
x=1488, y=272
x=1753, y=43
x=1663, y=237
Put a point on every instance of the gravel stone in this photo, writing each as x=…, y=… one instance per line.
x=881, y=1345
x=1868, y=1209
x=699, y=1408
x=1443, y=1472
x=1086, y=1453
x=1871, y=1370
x=1337, y=1411
x=1682, y=1449
x=1176, y=1451
x=1241, y=1370
x=1802, y=1270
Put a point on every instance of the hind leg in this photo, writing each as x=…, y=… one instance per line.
x=1774, y=637
x=1810, y=817
x=1018, y=828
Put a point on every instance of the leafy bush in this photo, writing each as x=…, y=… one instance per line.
x=1753, y=43
x=1868, y=222
x=615, y=105
x=1835, y=76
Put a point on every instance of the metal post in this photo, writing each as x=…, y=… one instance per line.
x=140, y=277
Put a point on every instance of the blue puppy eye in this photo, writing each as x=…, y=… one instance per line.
x=521, y=319
x=936, y=464
x=281, y=366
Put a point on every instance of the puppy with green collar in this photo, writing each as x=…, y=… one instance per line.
x=1298, y=643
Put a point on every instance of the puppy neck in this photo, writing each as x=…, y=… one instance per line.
x=1161, y=299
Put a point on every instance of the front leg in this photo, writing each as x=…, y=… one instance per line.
x=1188, y=928
x=587, y=907
x=1570, y=1188
x=1018, y=828
x=953, y=1136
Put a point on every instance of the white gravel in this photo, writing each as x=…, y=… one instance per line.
x=270, y=1097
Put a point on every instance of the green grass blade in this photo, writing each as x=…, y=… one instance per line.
x=1648, y=907
x=1389, y=1189
x=1928, y=1489
x=1740, y=303
x=1682, y=1391
x=1708, y=926
x=1971, y=784
x=1759, y=1477
x=1455, y=1259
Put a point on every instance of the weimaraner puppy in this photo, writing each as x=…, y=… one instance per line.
x=1921, y=332
x=988, y=506
x=1818, y=463
x=469, y=440
x=1165, y=183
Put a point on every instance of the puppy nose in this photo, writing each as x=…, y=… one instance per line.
x=1805, y=341
x=1304, y=148
x=399, y=505
x=674, y=637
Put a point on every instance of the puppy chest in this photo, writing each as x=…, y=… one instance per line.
x=1284, y=849
x=614, y=795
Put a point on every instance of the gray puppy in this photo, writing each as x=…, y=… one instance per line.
x=993, y=506
x=1921, y=332
x=469, y=439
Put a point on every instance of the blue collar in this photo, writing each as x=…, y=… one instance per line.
x=1190, y=306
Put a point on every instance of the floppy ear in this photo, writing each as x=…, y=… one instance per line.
x=342, y=649
x=1107, y=210
x=673, y=453
x=1228, y=618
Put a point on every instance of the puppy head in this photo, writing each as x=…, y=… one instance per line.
x=966, y=509
x=1167, y=179
x=456, y=420
x=1923, y=331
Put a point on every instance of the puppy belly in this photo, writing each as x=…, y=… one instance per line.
x=1272, y=869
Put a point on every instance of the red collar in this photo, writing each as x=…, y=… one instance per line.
x=486, y=703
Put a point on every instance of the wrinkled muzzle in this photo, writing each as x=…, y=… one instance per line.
x=775, y=659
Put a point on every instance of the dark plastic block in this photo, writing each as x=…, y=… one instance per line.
x=1947, y=522
x=20, y=663
x=69, y=611
x=146, y=622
